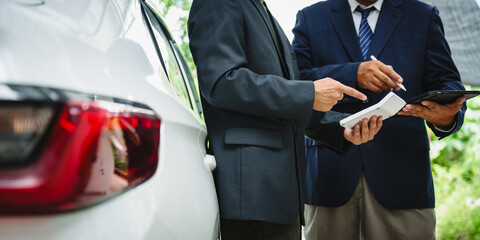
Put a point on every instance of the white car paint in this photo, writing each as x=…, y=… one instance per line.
x=103, y=47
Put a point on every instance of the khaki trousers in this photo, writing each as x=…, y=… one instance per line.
x=365, y=219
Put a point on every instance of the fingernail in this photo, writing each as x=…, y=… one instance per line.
x=400, y=80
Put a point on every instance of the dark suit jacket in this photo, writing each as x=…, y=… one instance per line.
x=409, y=36
x=255, y=115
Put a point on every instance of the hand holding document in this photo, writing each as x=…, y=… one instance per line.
x=387, y=107
x=391, y=104
x=363, y=132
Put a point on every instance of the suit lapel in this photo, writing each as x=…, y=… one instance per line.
x=387, y=21
x=262, y=12
x=341, y=19
x=287, y=52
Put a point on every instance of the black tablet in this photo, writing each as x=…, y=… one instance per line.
x=443, y=96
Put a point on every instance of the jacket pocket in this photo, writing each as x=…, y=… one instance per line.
x=415, y=142
x=269, y=138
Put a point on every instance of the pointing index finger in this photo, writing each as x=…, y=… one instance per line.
x=353, y=92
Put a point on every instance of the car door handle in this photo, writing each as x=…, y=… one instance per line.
x=210, y=162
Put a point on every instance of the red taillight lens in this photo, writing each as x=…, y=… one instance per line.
x=94, y=150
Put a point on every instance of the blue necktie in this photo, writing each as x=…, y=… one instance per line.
x=365, y=32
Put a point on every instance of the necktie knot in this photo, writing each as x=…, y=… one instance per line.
x=364, y=12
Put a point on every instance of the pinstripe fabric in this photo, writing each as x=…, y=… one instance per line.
x=364, y=32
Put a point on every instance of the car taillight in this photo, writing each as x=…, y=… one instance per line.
x=22, y=125
x=64, y=157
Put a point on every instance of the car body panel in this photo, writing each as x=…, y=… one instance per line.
x=103, y=47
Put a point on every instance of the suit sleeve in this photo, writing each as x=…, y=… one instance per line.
x=345, y=73
x=324, y=126
x=440, y=70
x=216, y=30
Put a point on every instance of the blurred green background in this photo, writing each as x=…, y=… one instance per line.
x=455, y=159
x=456, y=173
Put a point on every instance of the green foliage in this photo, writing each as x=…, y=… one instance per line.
x=456, y=170
x=168, y=5
x=180, y=9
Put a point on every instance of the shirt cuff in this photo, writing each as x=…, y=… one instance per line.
x=445, y=130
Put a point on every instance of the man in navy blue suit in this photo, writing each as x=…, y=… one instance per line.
x=382, y=189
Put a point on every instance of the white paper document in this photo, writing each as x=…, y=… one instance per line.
x=387, y=107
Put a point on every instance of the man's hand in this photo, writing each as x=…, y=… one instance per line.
x=328, y=92
x=434, y=113
x=376, y=76
x=367, y=132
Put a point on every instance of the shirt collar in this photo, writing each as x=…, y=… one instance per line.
x=353, y=5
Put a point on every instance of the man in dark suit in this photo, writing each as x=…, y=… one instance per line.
x=382, y=189
x=256, y=113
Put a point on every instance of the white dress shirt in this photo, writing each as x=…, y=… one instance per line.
x=372, y=17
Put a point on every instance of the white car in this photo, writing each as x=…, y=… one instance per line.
x=101, y=132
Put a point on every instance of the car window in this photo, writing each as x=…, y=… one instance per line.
x=193, y=88
x=136, y=31
x=191, y=84
x=172, y=67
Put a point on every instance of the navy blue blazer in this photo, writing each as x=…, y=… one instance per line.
x=409, y=36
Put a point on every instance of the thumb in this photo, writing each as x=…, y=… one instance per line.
x=348, y=134
x=458, y=103
x=352, y=92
